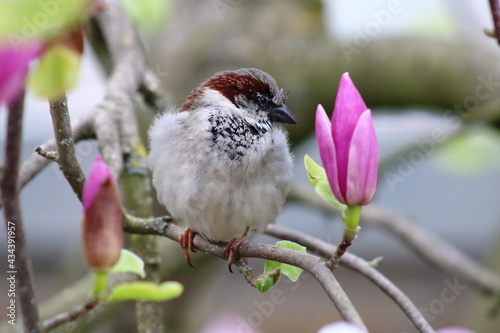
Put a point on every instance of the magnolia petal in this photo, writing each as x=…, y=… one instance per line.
x=327, y=150
x=373, y=162
x=454, y=329
x=340, y=327
x=363, y=162
x=14, y=69
x=349, y=106
x=98, y=174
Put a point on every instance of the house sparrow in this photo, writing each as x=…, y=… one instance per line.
x=220, y=164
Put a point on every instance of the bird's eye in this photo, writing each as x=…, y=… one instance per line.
x=262, y=100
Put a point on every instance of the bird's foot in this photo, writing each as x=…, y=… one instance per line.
x=232, y=249
x=186, y=242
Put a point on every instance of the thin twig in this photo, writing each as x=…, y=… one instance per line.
x=427, y=245
x=358, y=264
x=247, y=272
x=51, y=155
x=69, y=316
x=81, y=129
x=495, y=12
x=347, y=238
x=10, y=193
x=308, y=262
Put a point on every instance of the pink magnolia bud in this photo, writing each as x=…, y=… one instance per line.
x=102, y=225
x=14, y=67
x=348, y=146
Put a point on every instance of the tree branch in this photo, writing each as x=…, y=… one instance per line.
x=495, y=12
x=69, y=316
x=358, y=264
x=433, y=249
x=308, y=262
x=20, y=267
x=66, y=155
x=428, y=246
x=129, y=67
x=81, y=130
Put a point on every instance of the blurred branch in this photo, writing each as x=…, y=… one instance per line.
x=137, y=200
x=358, y=264
x=495, y=12
x=317, y=267
x=129, y=62
x=434, y=249
x=150, y=89
x=69, y=316
x=425, y=244
x=20, y=266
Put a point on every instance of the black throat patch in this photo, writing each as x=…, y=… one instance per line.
x=234, y=136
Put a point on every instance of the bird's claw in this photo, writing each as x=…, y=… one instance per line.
x=186, y=242
x=232, y=249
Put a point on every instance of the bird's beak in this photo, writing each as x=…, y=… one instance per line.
x=281, y=114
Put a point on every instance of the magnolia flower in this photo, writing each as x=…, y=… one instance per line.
x=340, y=327
x=14, y=68
x=348, y=146
x=102, y=228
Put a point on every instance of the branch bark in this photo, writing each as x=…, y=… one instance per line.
x=314, y=265
x=69, y=316
x=20, y=267
x=66, y=155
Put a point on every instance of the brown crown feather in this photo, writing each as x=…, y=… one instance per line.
x=250, y=82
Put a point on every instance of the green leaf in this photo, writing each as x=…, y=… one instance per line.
x=317, y=177
x=144, y=290
x=273, y=269
x=129, y=262
x=23, y=20
x=56, y=73
x=147, y=13
x=292, y=272
x=266, y=283
x=315, y=173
